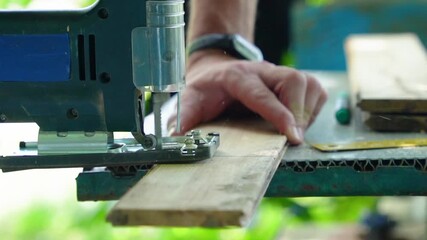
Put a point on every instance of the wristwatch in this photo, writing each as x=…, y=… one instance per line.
x=232, y=44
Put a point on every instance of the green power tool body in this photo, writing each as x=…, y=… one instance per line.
x=81, y=76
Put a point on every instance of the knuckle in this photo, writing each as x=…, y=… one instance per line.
x=240, y=67
x=235, y=71
x=257, y=93
x=323, y=95
x=287, y=118
x=297, y=76
x=290, y=79
x=314, y=84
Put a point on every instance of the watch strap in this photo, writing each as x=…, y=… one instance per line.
x=232, y=44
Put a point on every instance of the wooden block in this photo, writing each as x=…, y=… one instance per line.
x=218, y=192
x=396, y=122
x=388, y=73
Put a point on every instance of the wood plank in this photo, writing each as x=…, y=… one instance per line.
x=396, y=122
x=388, y=72
x=218, y=192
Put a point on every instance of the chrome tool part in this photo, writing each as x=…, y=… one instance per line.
x=158, y=49
x=51, y=143
x=122, y=153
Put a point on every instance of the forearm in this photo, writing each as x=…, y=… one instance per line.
x=222, y=16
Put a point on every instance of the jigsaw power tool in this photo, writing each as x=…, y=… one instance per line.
x=82, y=75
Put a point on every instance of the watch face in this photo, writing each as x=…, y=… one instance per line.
x=248, y=50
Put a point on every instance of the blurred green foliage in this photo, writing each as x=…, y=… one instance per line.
x=5, y=4
x=14, y=3
x=73, y=220
x=85, y=3
x=318, y=2
x=288, y=59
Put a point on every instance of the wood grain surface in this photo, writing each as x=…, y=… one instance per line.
x=388, y=72
x=218, y=192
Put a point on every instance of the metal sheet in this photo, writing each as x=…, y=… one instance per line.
x=327, y=130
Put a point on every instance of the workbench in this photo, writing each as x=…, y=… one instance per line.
x=305, y=171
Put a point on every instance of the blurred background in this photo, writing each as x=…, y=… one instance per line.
x=41, y=204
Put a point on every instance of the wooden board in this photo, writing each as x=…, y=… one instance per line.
x=396, y=122
x=388, y=72
x=218, y=192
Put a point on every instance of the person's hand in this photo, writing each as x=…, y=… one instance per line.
x=287, y=98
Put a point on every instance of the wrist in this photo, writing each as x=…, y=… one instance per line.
x=208, y=56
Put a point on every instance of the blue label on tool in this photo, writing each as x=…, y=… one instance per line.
x=34, y=58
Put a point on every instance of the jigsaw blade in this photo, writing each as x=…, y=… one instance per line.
x=159, y=98
x=178, y=111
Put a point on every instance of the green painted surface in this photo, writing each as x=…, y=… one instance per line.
x=346, y=181
x=103, y=185
x=334, y=181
